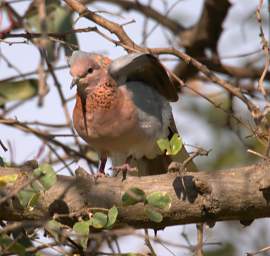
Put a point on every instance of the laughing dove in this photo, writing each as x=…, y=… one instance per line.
x=122, y=109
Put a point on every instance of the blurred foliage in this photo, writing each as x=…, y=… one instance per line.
x=9, y=245
x=227, y=249
x=58, y=20
x=229, y=139
x=18, y=90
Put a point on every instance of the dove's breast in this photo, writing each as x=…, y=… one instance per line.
x=126, y=121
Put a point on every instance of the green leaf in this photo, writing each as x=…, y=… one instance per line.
x=132, y=196
x=33, y=200
x=8, y=245
x=54, y=228
x=47, y=175
x=26, y=196
x=164, y=145
x=112, y=216
x=91, y=154
x=18, y=90
x=176, y=144
x=99, y=220
x=153, y=215
x=160, y=200
x=171, y=147
x=82, y=229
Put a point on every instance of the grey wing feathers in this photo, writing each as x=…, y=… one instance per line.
x=145, y=68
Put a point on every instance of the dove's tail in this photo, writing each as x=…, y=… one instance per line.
x=160, y=163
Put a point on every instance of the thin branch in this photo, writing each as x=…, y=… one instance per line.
x=148, y=243
x=199, y=247
x=3, y=146
x=265, y=47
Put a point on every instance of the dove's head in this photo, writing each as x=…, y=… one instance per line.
x=87, y=69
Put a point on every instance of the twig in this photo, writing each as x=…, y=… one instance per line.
x=3, y=146
x=265, y=47
x=44, y=136
x=258, y=252
x=199, y=247
x=148, y=243
x=2, y=82
x=257, y=154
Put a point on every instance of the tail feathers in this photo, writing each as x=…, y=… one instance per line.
x=157, y=165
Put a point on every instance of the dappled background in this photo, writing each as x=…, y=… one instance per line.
x=36, y=101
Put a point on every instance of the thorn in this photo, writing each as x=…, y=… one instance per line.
x=210, y=223
x=246, y=222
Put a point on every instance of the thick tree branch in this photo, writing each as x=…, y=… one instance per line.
x=237, y=194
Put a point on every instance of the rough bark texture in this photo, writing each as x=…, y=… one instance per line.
x=236, y=194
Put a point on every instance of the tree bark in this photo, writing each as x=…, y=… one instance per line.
x=236, y=194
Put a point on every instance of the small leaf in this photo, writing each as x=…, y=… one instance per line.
x=54, y=228
x=82, y=229
x=153, y=215
x=99, y=220
x=112, y=216
x=18, y=90
x=26, y=195
x=132, y=196
x=160, y=200
x=176, y=144
x=47, y=175
x=10, y=246
x=164, y=145
x=91, y=154
x=8, y=179
x=33, y=200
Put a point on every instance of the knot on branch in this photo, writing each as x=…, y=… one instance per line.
x=202, y=186
x=209, y=208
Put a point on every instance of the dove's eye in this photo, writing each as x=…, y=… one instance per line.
x=90, y=70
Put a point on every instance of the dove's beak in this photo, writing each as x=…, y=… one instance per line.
x=74, y=82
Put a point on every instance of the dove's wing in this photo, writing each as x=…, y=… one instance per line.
x=145, y=68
